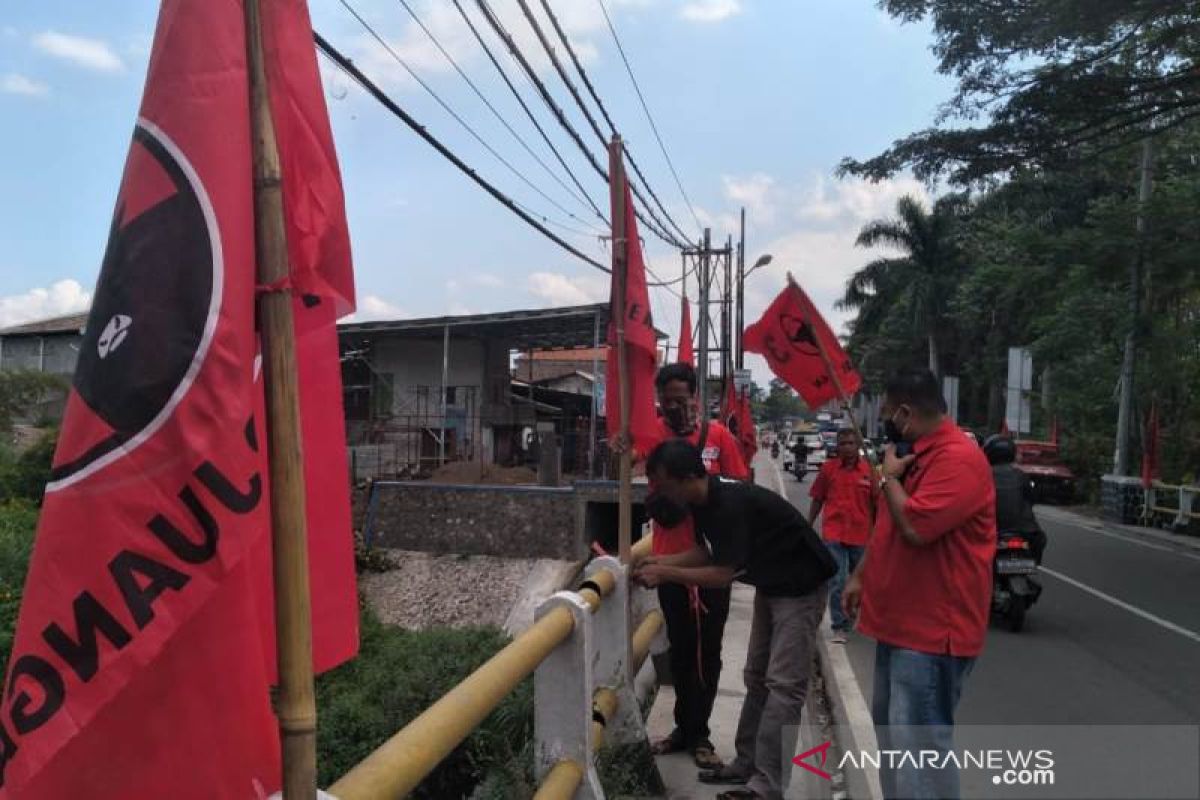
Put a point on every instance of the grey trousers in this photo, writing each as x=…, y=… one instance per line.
x=778, y=663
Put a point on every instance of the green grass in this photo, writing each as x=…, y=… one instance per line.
x=18, y=520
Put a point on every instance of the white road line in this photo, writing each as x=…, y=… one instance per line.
x=1132, y=609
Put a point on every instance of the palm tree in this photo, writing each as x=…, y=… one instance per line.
x=918, y=280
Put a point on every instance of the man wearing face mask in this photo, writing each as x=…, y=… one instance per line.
x=924, y=585
x=695, y=617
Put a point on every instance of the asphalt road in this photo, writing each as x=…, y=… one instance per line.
x=1114, y=639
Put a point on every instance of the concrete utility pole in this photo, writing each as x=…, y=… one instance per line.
x=727, y=317
x=739, y=321
x=1121, y=458
x=702, y=359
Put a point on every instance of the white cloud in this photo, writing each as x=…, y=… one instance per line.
x=755, y=192
x=373, y=307
x=556, y=289
x=93, y=54
x=710, y=10
x=61, y=297
x=14, y=83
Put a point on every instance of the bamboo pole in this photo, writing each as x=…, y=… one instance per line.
x=296, y=707
x=616, y=171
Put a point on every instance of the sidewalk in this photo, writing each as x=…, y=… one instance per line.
x=677, y=770
x=1178, y=540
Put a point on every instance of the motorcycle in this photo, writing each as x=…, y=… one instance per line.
x=1014, y=589
x=799, y=468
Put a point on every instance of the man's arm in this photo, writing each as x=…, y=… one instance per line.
x=896, y=499
x=814, y=511
x=696, y=557
x=713, y=576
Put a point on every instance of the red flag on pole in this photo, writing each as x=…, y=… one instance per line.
x=640, y=346
x=686, y=354
x=145, y=635
x=747, y=433
x=787, y=335
x=1150, y=469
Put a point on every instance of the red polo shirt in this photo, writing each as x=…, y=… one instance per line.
x=935, y=598
x=722, y=456
x=845, y=493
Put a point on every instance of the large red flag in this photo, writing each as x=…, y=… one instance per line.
x=1150, y=448
x=747, y=433
x=686, y=353
x=144, y=648
x=640, y=345
x=788, y=335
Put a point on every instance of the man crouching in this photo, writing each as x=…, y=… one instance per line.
x=753, y=535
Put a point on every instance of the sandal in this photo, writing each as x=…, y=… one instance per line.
x=705, y=756
x=669, y=744
x=721, y=775
x=739, y=794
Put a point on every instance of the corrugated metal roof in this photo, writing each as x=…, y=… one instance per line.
x=70, y=323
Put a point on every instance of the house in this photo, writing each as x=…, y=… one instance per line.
x=422, y=392
x=48, y=345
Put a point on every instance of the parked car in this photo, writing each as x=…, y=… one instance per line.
x=816, y=450
x=1052, y=480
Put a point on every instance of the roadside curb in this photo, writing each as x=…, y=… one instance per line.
x=1102, y=526
x=851, y=715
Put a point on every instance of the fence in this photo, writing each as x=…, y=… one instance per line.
x=583, y=657
x=1171, y=506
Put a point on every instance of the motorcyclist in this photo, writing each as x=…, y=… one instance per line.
x=1014, y=494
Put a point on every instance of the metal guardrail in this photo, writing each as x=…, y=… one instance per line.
x=583, y=659
x=1181, y=514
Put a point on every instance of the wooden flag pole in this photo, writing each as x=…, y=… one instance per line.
x=296, y=707
x=833, y=375
x=616, y=172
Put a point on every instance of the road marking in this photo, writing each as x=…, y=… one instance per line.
x=1132, y=609
x=1065, y=518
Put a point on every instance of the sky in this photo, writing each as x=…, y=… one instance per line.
x=755, y=100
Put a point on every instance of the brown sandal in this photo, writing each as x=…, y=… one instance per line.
x=705, y=756
x=667, y=745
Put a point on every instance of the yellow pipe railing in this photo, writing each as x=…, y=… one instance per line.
x=566, y=776
x=396, y=767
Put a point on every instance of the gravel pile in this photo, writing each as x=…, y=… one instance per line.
x=427, y=590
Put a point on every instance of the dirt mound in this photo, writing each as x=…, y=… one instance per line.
x=472, y=472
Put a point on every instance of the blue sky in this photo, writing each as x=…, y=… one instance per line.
x=757, y=100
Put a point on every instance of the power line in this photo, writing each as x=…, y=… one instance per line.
x=520, y=140
x=354, y=73
x=587, y=82
x=528, y=111
x=372, y=89
x=649, y=117
x=396, y=56
x=560, y=116
x=591, y=120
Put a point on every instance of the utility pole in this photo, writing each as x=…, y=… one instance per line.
x=740, y=318
x=616, y=171
x=702, y=362
x=1121, y=458
x=726, y=322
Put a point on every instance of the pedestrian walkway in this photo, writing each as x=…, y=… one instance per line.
x=678, y=772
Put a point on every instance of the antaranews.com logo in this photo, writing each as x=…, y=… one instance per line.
x=1006, y=767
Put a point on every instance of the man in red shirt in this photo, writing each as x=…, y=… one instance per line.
x=844, y=493
x=924, y=585
x=695, y=617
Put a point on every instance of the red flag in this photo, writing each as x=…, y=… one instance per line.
x=747, y=433
x=1151, y=443
x=145, y=635
x=686, y=354
x=790, y=335
x=640, y=345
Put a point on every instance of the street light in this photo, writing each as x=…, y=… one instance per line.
x=762, y=262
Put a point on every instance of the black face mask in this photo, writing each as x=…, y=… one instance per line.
x=894, y=435
x=665, y=511
x=679, y=418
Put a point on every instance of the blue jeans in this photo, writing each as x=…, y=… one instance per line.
x=847, y=557
x=913, y=709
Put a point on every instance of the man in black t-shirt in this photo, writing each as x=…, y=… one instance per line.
x=750, y=534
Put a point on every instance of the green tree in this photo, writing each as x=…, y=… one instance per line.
x=20, y=390
x=781, y=402
x=918, y=281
